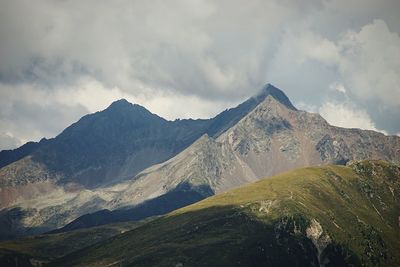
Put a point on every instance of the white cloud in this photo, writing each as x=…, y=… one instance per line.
x=338, y=87
x=362, y=64
x=347, y=115
x=66, y=58
x=94, y=96
x=370, y=63
x=29, y=113
x=89, y=93
x=203, y=48
x=171, y=106
x=8, y=141
x=367, y=62
x=321, y=49
x=45, y=113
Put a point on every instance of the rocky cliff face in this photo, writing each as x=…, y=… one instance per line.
x=263, y=136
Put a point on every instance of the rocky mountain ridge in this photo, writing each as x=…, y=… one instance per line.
x=270, y=139
x=121, y=141
x=273, y=136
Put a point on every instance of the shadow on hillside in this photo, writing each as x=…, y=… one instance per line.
x=183, y=195
x=217, y=236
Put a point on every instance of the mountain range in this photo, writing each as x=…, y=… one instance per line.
x=125, y=163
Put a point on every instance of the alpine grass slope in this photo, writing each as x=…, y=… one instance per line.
x=316, y=216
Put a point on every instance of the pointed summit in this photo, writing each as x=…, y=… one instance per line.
x=276, y=93
x=121, y=103
x=125, y=108
x=230, y=117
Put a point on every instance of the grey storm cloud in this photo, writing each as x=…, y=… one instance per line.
x=62, y=59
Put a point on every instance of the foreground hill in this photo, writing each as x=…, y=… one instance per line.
x=41, y=249
x=319, y=216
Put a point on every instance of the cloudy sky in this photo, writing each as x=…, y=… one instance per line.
x=62, y=59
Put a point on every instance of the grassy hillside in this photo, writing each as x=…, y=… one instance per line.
x=330, y=216
x=44, y=248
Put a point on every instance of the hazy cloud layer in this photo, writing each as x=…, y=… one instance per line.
x=62, y=59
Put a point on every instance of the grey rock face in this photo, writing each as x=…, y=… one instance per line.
x=332, y=150
x=270, y=139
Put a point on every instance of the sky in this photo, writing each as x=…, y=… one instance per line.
x=61, y=59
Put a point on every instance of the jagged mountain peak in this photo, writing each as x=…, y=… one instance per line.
x=279, y=95
x=230, y=117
